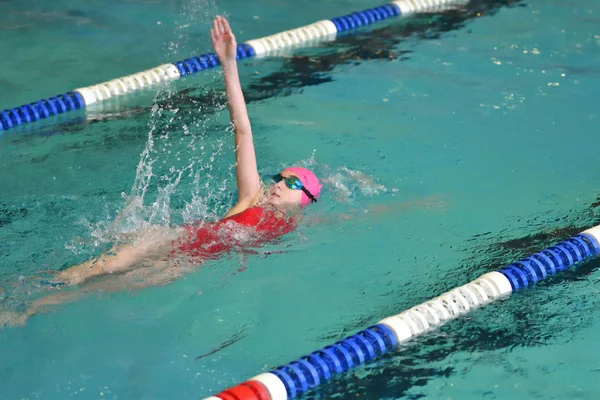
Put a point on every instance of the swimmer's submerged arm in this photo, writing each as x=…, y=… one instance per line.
x=248, y=180
x=119, y=259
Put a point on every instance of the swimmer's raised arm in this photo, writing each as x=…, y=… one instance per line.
x=246, y=171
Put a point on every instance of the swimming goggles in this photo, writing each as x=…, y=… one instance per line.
x=294, y=183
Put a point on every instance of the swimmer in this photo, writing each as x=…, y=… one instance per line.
x=263, y=213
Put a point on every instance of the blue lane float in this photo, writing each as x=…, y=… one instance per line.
x=303, y=36
x=208, y=61
x=41, y=109
x=367, y=17
x=299, y=376
x=196, y=64
x=557, y=258
x=319, y=366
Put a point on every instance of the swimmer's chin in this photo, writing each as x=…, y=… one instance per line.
x=276, y=201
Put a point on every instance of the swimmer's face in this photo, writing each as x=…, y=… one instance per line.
x=281, y=195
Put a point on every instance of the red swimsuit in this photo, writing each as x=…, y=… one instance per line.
x=250, y=228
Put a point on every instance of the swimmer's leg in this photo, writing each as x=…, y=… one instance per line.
x=15, y=319
x=119, y=259
x=158, y=273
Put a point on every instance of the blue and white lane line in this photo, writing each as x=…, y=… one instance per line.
x=296, y=377
x=316, y=32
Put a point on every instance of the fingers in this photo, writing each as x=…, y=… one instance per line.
x=221, y=26
x=216, y=27
x=225, y=25
x=213, y=36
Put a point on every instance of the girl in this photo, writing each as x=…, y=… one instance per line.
x=264, y=210
x=260, y=214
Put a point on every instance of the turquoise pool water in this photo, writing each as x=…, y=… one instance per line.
x=451, y=145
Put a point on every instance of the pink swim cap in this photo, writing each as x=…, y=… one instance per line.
x=309, y=181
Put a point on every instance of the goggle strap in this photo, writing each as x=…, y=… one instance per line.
x=310, y=196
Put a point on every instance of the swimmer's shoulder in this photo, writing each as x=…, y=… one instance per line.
x=245, y=204
x=239, y=208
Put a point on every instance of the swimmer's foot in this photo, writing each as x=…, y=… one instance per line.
x=12, y=319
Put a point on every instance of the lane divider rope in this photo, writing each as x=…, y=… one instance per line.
x=297, y=377
x=318, y=31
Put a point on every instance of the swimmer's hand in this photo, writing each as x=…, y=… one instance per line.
x=11, y=319
x=223, y=40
